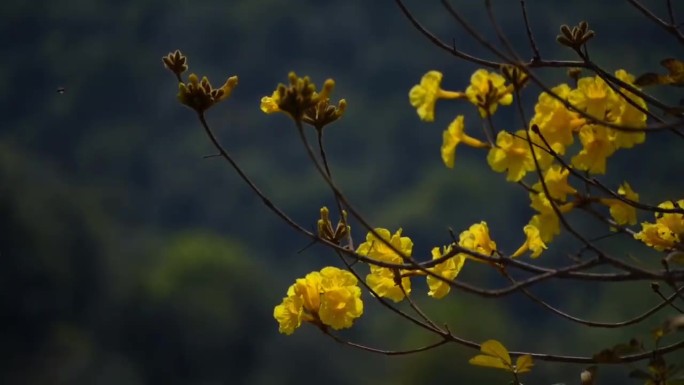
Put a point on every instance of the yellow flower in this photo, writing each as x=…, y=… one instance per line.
x=511, y=153
x=548, y=225
x=330, y=297
x=341, y=300
x=596, y=148
x=556, y=123
x=477, y=239
x=628, y=115
x=377, y=249
x=424, y=96
x=309, y=290
x=546, y=221
x=487, y=90
x=556, y=180
x=673, y=221
x=269, y=104
x=657, y=236
x=594, y=97
x=381, y=279
x=448, y=270
x=454, y=135
x=623, y=213
x=533, y=243
x=289, y=314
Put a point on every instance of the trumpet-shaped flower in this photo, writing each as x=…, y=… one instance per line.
x=269, y=104
x=594, y=97
x=546, y=221
x=424, y=96
x=289, y=314
x=556, y=123
x=512, y=154
x=448, y=270
x=673, y=221
x=454, y=135
x=385, y=281
x=477, y=239
x=533, y=242
x=341, y=300
x=657, y=236
x=556, y=180
x=596, y=148
x=621, y=212
x=487, y=90
x=629, y=115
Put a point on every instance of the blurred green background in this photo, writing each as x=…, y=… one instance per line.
x=128, y=258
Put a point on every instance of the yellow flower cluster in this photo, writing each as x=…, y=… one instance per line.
x=667, y=232
x=487, y=90
x=383, y=280
x=555, y=126
x=330, y=297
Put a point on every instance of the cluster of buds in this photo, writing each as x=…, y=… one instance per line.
x=575, y=37
x=326, y=230
x=195, y=93
x=303, y=103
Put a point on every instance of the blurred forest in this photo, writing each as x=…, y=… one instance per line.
x=126, y=257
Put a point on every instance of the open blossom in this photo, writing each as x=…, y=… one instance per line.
x=555, y=121
x=596, y=148
x=556, y=180
x=621, y=212
x=511, y=154
x=424, y=96
x=341, y=299
x=546, y=220
x=594, y=97
x=454, y=135
x=667, y=231
x=448, y=270
x=533, y=242
x=477, y=239
x=382, y=279
x=330, y=297
x=487, y=90
x=627, y=114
